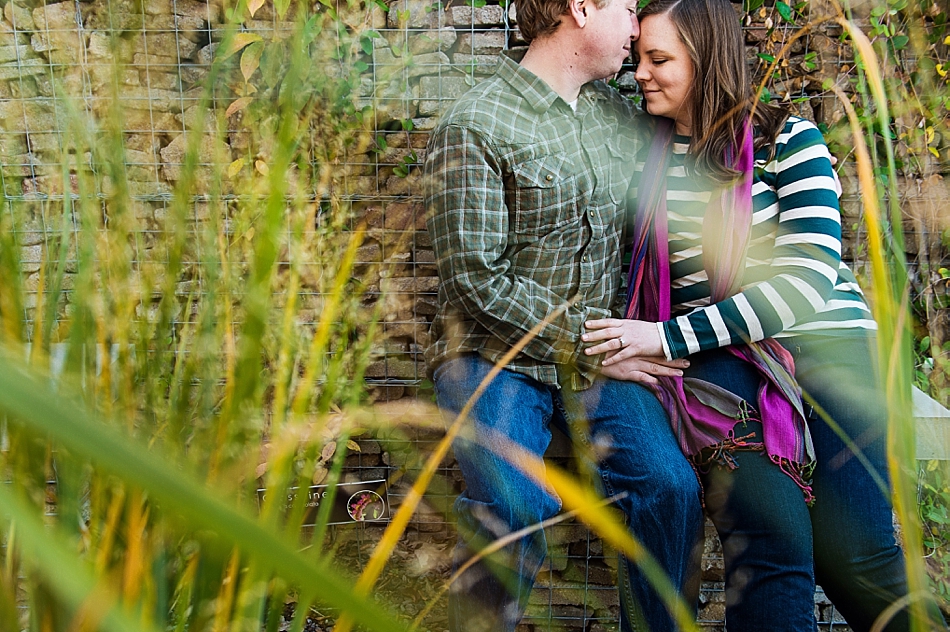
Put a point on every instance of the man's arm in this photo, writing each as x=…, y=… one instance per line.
x=468, y=224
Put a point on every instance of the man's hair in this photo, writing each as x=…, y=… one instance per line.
x=540, y=18
x=721, y=93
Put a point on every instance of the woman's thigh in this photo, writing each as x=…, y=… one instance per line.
x=761, y=517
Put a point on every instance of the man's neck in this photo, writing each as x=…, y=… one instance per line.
x=556, y=65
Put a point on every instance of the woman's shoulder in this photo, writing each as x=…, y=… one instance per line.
x=797, y=134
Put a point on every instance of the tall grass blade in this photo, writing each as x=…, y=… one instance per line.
x=31, y=403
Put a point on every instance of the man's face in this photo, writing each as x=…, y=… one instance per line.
x=609, y=32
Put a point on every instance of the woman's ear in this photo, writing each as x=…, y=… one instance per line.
x=578, y=12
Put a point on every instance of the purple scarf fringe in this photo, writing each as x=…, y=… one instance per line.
x=704, y=417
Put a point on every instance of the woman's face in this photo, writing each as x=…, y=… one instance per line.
x=665, y=71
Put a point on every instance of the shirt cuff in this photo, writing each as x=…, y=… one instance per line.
x=666, y=345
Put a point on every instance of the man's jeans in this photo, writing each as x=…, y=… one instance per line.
x=638, y=454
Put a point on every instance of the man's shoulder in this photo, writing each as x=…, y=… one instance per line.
x=478, y=108
x=613, y=103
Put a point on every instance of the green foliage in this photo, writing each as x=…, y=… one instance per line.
x=934, y=491
x=192, y=354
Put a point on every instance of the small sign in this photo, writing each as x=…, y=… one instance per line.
x=364, y=501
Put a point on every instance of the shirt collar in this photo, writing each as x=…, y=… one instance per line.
x=535, y=91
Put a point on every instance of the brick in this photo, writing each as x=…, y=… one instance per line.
x=482, y=64
x=55, y=16
x=14, y=53
x=484, y=43
x=413, y=14
x=462, y=16
x=20, y=17
x=45, y=41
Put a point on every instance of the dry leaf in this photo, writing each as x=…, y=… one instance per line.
x=251, y=59
x=353, y=446
x=238, y=105
x=328, y=451
x=261, y=167
x=320, y=474
x=239, y=41
x=254, y=5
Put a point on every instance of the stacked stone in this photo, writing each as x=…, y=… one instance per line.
x=154, y=56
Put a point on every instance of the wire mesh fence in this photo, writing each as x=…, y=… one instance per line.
x=73, y=72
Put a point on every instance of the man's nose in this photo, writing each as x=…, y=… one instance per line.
x=634, y=28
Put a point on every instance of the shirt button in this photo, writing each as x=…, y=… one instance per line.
x=549, y=177
x=592, y=212
x=577, y=305
x=586, y=257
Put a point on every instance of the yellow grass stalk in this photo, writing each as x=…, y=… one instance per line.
x=887, y=311
x=225, y=600
x=498, y=545
x=136, y=557
x=383, y=550
x=590, y=508
x=107, y=538
x=327, y=317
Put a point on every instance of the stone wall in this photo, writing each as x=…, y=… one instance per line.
x=426, y=56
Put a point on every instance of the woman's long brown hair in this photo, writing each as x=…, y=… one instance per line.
x=721, y=92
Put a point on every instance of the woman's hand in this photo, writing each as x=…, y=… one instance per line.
x=628, y=338
x=643, y=370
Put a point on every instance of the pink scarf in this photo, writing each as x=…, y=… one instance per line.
x=704, y=415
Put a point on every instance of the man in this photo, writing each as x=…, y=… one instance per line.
x=525, y=175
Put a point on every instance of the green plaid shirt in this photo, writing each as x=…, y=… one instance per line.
x=525, y=200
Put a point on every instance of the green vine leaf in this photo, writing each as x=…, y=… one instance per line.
x=784, y=10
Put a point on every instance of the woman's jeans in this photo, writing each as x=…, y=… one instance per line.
x=637, y=455
x=774, y=546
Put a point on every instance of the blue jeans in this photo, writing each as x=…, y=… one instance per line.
x=771, y=542
x=857, y=560
x=762, y=521
x=620, y=421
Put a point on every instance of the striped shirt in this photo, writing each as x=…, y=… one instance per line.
x=794, y=281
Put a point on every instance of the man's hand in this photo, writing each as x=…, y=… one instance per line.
x=643, y=370
x=627, y=338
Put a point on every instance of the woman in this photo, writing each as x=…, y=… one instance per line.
x=736, y=265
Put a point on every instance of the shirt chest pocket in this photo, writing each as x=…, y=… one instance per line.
x=544, y=194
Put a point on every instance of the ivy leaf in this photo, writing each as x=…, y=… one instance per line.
x=899, y=41
x=239, y=41
x=251, y=59
x=784, y=10
x=366, y=44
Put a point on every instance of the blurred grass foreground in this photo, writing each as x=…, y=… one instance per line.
x=215, y=279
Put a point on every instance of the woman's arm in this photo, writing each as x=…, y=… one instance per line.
x=803, y=269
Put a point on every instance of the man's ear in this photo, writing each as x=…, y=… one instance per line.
x=578, y=12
